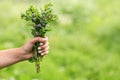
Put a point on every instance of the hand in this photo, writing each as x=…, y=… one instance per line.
x=27, y=49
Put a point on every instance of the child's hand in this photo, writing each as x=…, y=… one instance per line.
x=27, y=49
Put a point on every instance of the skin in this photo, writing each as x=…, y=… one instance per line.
x=15, y=55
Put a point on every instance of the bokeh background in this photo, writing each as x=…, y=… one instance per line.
x=84, y=42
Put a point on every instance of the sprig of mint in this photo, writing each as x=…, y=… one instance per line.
x=40, y=19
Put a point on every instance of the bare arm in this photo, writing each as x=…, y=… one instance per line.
x=12, y=56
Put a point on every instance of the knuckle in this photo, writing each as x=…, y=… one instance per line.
x=48, y=43
x=46, y=38
x=48, y=47
x=46, y=52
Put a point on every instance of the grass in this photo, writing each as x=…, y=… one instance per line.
x=84, y=44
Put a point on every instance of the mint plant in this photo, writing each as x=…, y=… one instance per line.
x=40, y=19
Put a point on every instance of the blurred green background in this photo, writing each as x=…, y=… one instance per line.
x=84, y=43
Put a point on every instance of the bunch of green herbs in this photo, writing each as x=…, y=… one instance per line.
x=40, y=19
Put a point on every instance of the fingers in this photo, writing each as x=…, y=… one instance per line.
x=44, y=46
x=39, y=39
x=43, y=49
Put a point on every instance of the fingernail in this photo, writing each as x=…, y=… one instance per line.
x=39, y=51
x=39, y=48
x=41, y=44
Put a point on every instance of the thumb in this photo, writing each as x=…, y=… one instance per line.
x=38, y=39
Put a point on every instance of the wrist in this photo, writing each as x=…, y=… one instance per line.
x=23, y=55
x=19, y=54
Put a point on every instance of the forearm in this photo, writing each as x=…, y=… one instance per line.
x=10, y=56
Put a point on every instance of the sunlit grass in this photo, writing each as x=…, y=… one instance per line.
x=84, y=44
